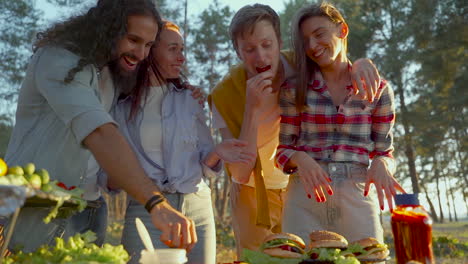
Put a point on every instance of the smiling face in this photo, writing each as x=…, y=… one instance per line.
x=324, y=40
x=169, y=53
x=259, y=49
x=135, y=45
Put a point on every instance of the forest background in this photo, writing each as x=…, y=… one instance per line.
x=419, y=46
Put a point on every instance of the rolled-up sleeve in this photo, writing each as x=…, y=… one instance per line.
x=76, y=103
x=289, y=127
x=206, y=145
x=383, y=120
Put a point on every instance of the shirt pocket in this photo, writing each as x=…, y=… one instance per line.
x=355, y=120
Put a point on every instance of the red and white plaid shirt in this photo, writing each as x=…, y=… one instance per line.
x=355, y=132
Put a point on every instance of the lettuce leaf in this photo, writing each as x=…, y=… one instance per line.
x=255, y=257
x=278, y=242
x=335, y=255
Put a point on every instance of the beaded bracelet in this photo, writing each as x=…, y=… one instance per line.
x=153, y=201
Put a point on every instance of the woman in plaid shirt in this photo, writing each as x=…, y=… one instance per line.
x=329, y=135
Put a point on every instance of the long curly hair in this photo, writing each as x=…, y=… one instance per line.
x=93, y=36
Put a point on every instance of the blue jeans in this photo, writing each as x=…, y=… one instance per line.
x=196, y=206
x=93, y=218
x=31, y=232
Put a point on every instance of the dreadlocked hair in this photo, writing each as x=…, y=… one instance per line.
x=93, y=36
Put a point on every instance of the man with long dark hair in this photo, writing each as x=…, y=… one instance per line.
x=62, y=124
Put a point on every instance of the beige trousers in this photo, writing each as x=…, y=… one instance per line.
x=244, y=213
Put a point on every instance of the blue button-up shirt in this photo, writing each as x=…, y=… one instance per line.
x=186, y=141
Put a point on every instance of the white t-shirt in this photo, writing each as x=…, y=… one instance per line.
x=151, y=125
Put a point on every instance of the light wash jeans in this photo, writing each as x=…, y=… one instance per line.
x=346, y=212
x=31, y=232
x=196, y=206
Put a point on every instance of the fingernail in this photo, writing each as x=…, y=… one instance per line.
x=381, y=207
x=309, y=196
x=391, y=210
x=366, y=193
x=330, y=191
x=318, y=199
x=329, y=179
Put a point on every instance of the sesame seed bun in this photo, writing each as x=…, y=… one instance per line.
x=366, y=242
x=327, y=239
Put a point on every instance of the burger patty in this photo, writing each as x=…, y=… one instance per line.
x=291, y=248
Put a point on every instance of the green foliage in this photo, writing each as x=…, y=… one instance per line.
x=77, y=249
x=6, y=127
x=225, y=235
x=286, y=16
x=171, y=11
x=211, y=46
x=449, y=247
x=15, y=42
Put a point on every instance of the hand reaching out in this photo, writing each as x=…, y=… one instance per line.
x=197, y=93
x=234, y=151
x=177, y=230
x=365, y=78
x=383, y=181
x=313, y=177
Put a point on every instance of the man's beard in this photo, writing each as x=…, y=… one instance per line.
x=123, y=81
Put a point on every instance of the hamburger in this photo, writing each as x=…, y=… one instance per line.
x=327, y=239
x=371, y=249
x=283, y=245
x=327, y=247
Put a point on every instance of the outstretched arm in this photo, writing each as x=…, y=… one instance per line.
x=230, y=151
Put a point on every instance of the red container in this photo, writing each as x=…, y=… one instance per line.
x=412, y=230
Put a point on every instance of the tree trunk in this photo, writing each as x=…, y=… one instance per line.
x=453, y=204
x=465, y=197
x=436, y=171
x=448, y=199
x=431, y=205
x=224, y=205
x=409, y=151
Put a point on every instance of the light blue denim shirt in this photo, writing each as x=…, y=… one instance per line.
x=53, y=118
x=186, y=141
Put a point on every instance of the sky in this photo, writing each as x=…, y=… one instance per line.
x=194, y=6
x=197, y=6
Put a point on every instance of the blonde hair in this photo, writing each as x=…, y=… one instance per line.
x=171, y=26
x=305, y=66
